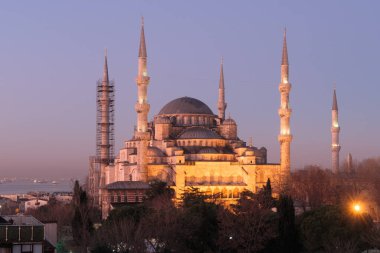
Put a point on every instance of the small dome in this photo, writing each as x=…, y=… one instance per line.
x=163, y=120
x=208, y=151
x=186, y=105
x=155, y=152
x=229, y=121
x=199, y=133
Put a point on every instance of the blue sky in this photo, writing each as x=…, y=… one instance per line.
x=51, y=55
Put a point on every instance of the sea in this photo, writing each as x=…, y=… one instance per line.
x=23, y=186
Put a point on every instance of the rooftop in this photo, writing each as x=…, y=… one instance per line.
x=127, y=185
x=186, y=105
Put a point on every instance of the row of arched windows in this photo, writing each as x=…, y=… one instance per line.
x=202, y=143
x=224, y=193
x=214, y=180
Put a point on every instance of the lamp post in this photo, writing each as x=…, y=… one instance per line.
x=357, y=208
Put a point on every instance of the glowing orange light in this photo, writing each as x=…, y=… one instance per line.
x=357, y=208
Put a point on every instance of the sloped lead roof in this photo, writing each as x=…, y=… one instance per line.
x=199, y=133
x=186, y=105
x=122, y=185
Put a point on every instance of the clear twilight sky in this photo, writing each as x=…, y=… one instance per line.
x=51, y=55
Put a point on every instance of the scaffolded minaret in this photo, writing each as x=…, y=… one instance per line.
x=142, y=107
x=335, y=129
x=284, y=112
x=104, y=135
x=222, y=105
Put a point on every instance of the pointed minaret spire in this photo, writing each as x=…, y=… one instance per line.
x=335, y=129
x=284, y=51
x=142, y=50
x=222, y=105
x=335, y=103
x=105, y=69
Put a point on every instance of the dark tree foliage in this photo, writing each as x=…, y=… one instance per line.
x=264, y=196
x=334, y=227
x=159, y=188
x=287, y=239
x=81, y=223
x=200, y=212
x=248, y=227
x=133, y=212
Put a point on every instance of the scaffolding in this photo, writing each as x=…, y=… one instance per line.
x=105, y=95
x=110, y=91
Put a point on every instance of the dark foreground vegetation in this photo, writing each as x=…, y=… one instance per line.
x=325, y=220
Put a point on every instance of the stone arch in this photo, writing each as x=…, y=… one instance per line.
x=217, y=192
x=224, y=193
x=236, y=193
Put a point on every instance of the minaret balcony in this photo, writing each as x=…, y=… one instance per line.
x=285, y=87
x=335, y=129
x=335, y=147
x=284, y=112
x=142, y=80
x=142, y=107
x=142, y=135
x=285, y=138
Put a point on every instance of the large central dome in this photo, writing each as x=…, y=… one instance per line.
x=186, y=105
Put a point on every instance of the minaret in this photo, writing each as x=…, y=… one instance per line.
x=104, y=123
x=104, y=137
x=284, y=112
x=222, y=105
x=335, y=129
x=349, y=165
x=142, y=108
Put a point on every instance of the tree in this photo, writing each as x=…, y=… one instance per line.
x=286, y=225
x=81, y=222
x=159, y=188
x=313, y=187
x=264, y=196
x=198, y=212
x=333, y=227
x=248, y=227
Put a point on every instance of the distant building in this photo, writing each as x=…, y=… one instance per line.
x=33, y=204
x=63, y=197
x=19, y=234
x=186, y=145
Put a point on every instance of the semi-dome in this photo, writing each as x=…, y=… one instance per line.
x=186, y=105
x=229, y=121
x=199, y=133
x=155, y=152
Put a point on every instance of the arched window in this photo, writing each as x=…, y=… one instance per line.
x=217, y=193
x=224, y=193
x=236, y=193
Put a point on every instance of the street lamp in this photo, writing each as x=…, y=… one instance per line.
x=357, y=208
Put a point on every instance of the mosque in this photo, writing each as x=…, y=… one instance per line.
x=185, y=145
